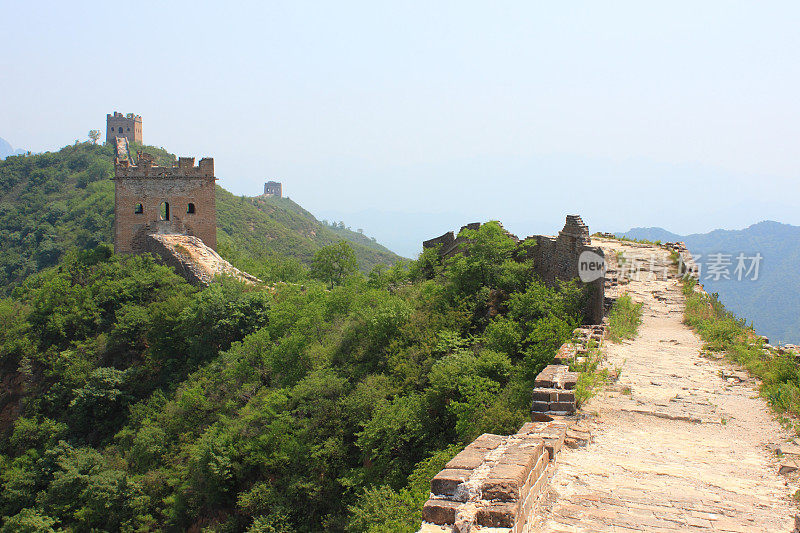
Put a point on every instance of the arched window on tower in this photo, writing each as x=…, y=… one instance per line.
x=164, y=211
x=120, y=129
x=139, y=209
x=190, y=208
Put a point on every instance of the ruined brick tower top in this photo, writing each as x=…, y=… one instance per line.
x=128, y=126
x=152, y=199
x=575, y=231
x=273, y=188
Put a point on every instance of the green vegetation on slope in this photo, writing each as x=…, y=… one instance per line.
x=722, y=331
x=624, y=318
x=272, y=237
x=56, y=202
x=51, y=203
x=135, y=402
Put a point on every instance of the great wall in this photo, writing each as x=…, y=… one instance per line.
x=679, y=442
x=676, y=442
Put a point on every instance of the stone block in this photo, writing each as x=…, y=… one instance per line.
x=568, y=407
x=565, y=396
x=540, y=407
x=468, y=459
x=504, y=482
x=545, y=395
x=488, y=441
x=497, y=514
x=441, y=512
x=447, y=481
x=787, y=467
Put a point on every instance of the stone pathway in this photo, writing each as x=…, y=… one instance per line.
x=678, y=445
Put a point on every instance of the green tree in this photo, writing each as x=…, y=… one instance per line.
x=334, y=263
x=29, y=521
x=94, y=135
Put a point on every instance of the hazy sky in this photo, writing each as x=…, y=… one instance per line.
x=683, y=114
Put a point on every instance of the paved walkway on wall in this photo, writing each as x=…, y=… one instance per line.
x=679, y=443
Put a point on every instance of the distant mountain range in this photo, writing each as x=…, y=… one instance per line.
x=6, y=149
x=771, y=302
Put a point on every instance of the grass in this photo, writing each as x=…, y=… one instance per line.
x=591, y=378
x=724, y=332
x=624, y=318
x=628, y=239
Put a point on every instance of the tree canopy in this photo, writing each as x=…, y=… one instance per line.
x=147, y=404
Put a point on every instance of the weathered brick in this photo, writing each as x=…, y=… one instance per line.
x=527, y=427
x=468, y=459
x=445, y=482
x=441, y=512
x=545, y=395
x=540, y=407
x=488, y=441
x=565, y=396
x=569, y=407
x=504, y=482
x=497, y=514
x=526, y=453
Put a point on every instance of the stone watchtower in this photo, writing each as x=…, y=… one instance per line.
x=128, y=126
x=273, y=188
x=152, y=199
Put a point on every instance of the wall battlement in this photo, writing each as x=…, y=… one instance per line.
x=145, y=167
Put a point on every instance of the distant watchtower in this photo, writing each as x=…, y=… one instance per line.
x=273, y=188
x=128, y=126
x=152, y=199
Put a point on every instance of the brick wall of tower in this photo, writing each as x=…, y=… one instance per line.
x=119, y=125
x=149, y=186
x=273, y=188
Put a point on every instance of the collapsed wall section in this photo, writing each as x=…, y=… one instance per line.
x=555, y=259
x=496, y=480
x=192, y=259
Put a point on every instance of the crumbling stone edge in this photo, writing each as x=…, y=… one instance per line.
x=497, y=480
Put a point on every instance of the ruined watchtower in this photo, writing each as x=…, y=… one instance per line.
x=152, y=199
x=128, y=126
x=273, y=188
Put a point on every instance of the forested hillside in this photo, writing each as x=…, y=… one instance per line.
x=55, y=202
x=271, y=237
x=132, y=401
